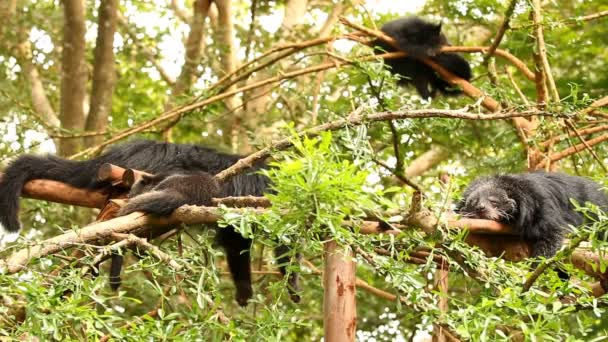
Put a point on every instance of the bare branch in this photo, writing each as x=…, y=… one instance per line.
x=356, y=119
x=542, y=49
x=501, y=31
x=572, y=150
x=40, y=102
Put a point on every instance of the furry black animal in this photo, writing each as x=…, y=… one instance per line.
x=421, y=39
x=155, y=158
x=536, y=205
x=160, y=195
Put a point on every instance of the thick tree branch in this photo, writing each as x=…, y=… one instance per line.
x=40, y=102
x=180, y=11
x=226, y=35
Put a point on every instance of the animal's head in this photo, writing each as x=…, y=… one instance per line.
x=146, y=183
x=485, y=199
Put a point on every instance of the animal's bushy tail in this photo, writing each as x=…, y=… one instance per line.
x=28, y=167
x=161, y=203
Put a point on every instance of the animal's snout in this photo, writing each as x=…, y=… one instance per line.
x=480, y=207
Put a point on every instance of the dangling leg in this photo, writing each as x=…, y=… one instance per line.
x=237, y=253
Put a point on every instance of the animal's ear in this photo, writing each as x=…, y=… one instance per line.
x=146, y=179
x=438, y=28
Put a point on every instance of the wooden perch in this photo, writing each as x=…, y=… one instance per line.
x=130, y=177
x=118, y=175
x=48, y=190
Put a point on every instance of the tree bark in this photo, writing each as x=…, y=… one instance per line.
x=40, y=102
x=225, y=34
x=103, y=72
x=193, y=48
x=339, y=303
x=74, y=74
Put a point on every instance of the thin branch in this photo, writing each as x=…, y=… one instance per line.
x=597, y=159
x=570, y=21
x=143, y=244
x=542, y=49
x=501, y=31
x=595, y=105
x=548, y=262
x=356, y=118
x=572, y=150
x=399, y=175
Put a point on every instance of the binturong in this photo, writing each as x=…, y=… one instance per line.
x=537, y=205
x=421, y=39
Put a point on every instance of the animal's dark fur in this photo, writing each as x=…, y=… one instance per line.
x=170, y=192
x=536, y=205
x=421, y=39
x=155, y=158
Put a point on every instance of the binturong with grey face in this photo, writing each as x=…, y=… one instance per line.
x=537, y=205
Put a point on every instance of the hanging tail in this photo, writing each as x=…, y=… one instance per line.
x=23, y=169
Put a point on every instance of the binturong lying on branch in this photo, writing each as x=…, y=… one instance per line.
x=536, y=205
x=421, y=39
x=183, y=176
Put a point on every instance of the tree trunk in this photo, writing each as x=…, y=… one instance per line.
x=339, y=303
x=103, y=72
x=225, y=33
x=74, y=74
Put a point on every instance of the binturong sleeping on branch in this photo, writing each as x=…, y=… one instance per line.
x=421, y=39
x=537, y=205
x=183, y=175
